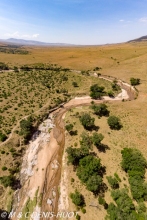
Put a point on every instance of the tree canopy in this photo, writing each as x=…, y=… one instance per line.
x=96, y=91
x=101, y=109
x=77, y=199
x=87, y=121
x=135, y=164
x=97, y=138
x=134, y=81
x=114, y=122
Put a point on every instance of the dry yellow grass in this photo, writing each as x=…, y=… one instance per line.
x=122, y=61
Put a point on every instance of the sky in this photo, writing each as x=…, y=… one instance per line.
x=84, y=22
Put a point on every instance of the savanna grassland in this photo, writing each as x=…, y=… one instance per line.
x=25, y=92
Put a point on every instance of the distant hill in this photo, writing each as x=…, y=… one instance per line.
x=140, y=39
x=32, y=42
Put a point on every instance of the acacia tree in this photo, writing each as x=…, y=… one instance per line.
x=114, y=123
x=100, y=109
x=77, y=199
x=87, y=121
x=134, y=81
x=96, y=91
x=97, y=138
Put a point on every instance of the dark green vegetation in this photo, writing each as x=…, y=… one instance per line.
x=87, y=121
x=29, y=87
x=113, y=182
x=69, y=128
x=100, y=110
x=77, y=199
x=8, y=181
x=114, y=122
x=3, y=137
x=11, y=49
x=88, y=171
x=3, y=66
x=135, y=164
x=134, y=81
x=26, y=128
x=97, y=138
x=96, y=91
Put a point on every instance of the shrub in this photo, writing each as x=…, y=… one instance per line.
x=113, y=182
x=87, y=121
x=94, y=183
x=75, y=84
x=88, y=172
x=72, y=180
x=3, y=137
x=7, y=180
x=77, y=199
x=134, y=81
x=96, y=91
x=97, y=138
x=134, y=164
x=100, y=109
x=83, y=210
x=69, y=127
x=124, y=208
x=117, y=177
x=115, y=87
x=86, y=140
x=4, y=168
x=78, y=217
x=101, y=200
x=114, y=122
x=75, y=154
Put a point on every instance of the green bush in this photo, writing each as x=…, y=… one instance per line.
x=87, y=121
x=75, y=84
x=78, y=217
x=77, y=199
x=114, y=122
x=83, y=210
x=75, y=154
x=134, y=81
x=4, y=168
x=96, y=91
x=124, y=208
x=3, y=137
x=69, y=127
x=7, y=181
x=113, y=182
x=101, y=109
x=117, y=177
x=135, y=164
x=97, y=138
x=86, y=140
x=88, y=172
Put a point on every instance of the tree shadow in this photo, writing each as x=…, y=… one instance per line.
x=102, y=189
x=73, y=133
x=103, y=148
x=102, y=171
x=93, y=127
x=16, y=185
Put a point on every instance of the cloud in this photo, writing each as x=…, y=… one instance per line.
x=121, y=20
x=17, y=35
x=144, y=19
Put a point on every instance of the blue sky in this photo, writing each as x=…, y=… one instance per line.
x=73, y=21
